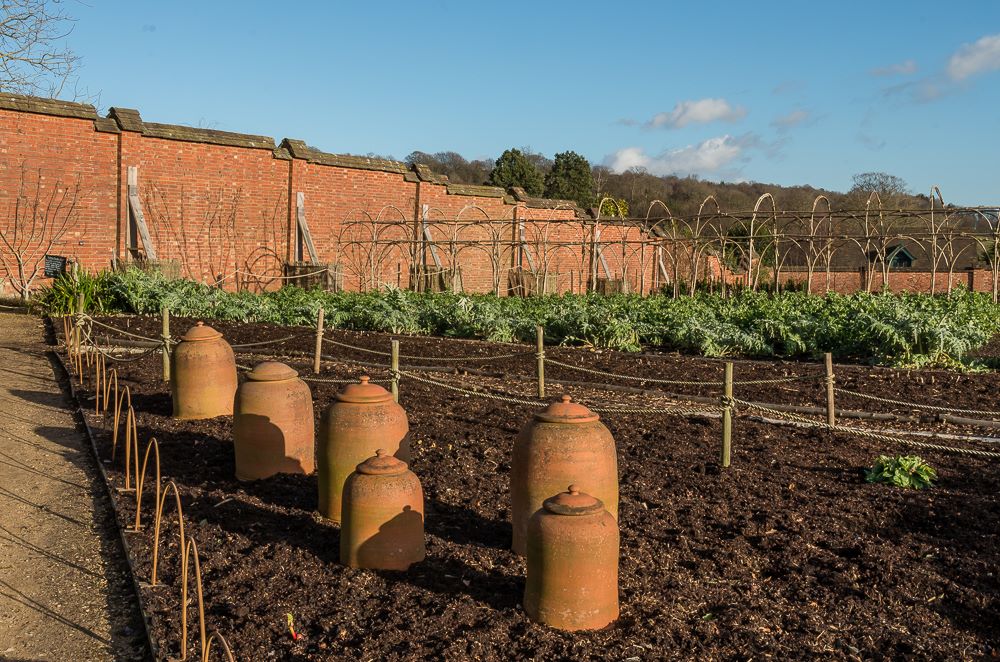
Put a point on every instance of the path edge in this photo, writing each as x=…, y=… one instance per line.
x=109, y=490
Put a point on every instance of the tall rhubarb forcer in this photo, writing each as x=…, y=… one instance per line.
x=362, y=419
x=273, y=429
x=383, y=515
x=203, y=370
x=572, y=565
x=561, y=443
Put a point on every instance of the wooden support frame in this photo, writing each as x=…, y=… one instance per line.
x=600, y=253
x=137, y=219
x=426, y=232
x=523, y=244
x=302, y=235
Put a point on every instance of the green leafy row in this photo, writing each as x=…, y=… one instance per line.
x=896, y=329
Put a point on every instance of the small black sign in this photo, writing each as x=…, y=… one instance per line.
x=55, y=265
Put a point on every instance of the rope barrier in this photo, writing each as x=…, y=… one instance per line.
x=672, y=409
x=749, y=382
x=632, y=377
x=481, y=394
x=915, y=405
x=89, y=340
x=358, y=349
x=466, y=358
x=270, y=342
x=780, y=380
x=91, y=320
x=430, y=358
x=684, y=410
x=323, y=380
x=862, y=432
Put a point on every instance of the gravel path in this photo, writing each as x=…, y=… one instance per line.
x=64, y=589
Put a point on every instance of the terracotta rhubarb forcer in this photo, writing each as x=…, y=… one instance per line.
x=383, y=515
x=273, y=429
x=563, y=441
x=363, y=419
x=202, y=374
x=572, y=564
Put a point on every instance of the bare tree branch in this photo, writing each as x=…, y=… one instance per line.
x=36, y=219
x=34, y=58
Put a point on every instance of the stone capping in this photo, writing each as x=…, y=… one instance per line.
x=26, y=104
x=425, y=174
x=300, y=150
x=210, y=136
x=476, y=190
x=519, y=194
x=106, y=125
x=126, y=118
x=552, y=203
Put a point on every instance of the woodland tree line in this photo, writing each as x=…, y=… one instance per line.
x=570, y=176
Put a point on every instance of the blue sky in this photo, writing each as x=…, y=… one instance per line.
x=784, y=92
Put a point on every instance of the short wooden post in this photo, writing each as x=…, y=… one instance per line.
x=394, y=370
x=319, y=341
x=727, y=416
x=540, y=353
x=79, y=311
x=165, y=339
x=831, y=411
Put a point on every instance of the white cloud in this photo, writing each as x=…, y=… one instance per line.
x=790, y=120
x=699, y=111
x=712, y=155
x=904, y=68
x=976, y=58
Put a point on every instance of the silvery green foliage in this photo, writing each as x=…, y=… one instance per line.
x=895, y=329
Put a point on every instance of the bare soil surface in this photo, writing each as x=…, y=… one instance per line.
x=788, y=554
x=65, y=593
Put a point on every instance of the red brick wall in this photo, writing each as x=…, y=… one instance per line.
x=214, y=209
x=59, y=160
x=223, y=205
x=847, y=282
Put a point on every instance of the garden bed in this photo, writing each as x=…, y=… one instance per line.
x=789, y=553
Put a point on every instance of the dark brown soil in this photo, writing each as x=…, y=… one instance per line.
x=788, y=554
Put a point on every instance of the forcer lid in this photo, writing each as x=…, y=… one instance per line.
x=364, y=393
x=566, y=411
x=573, y=502
x=272, y=371
x=200, y=332
x=382, y=464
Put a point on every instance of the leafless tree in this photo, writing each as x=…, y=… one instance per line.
x=33, y=57
x=37, y=218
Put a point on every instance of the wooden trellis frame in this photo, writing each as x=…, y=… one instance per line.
x=137, y=219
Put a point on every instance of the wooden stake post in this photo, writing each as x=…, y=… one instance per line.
x=540, y=345
x=165, y=338
x=394, y=369
x=78, y=337
x=831, y=411
x=319, y=341
x=727, y=417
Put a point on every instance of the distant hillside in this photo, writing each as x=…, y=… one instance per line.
x=684, y=195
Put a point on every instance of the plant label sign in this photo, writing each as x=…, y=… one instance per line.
x=55, y=265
